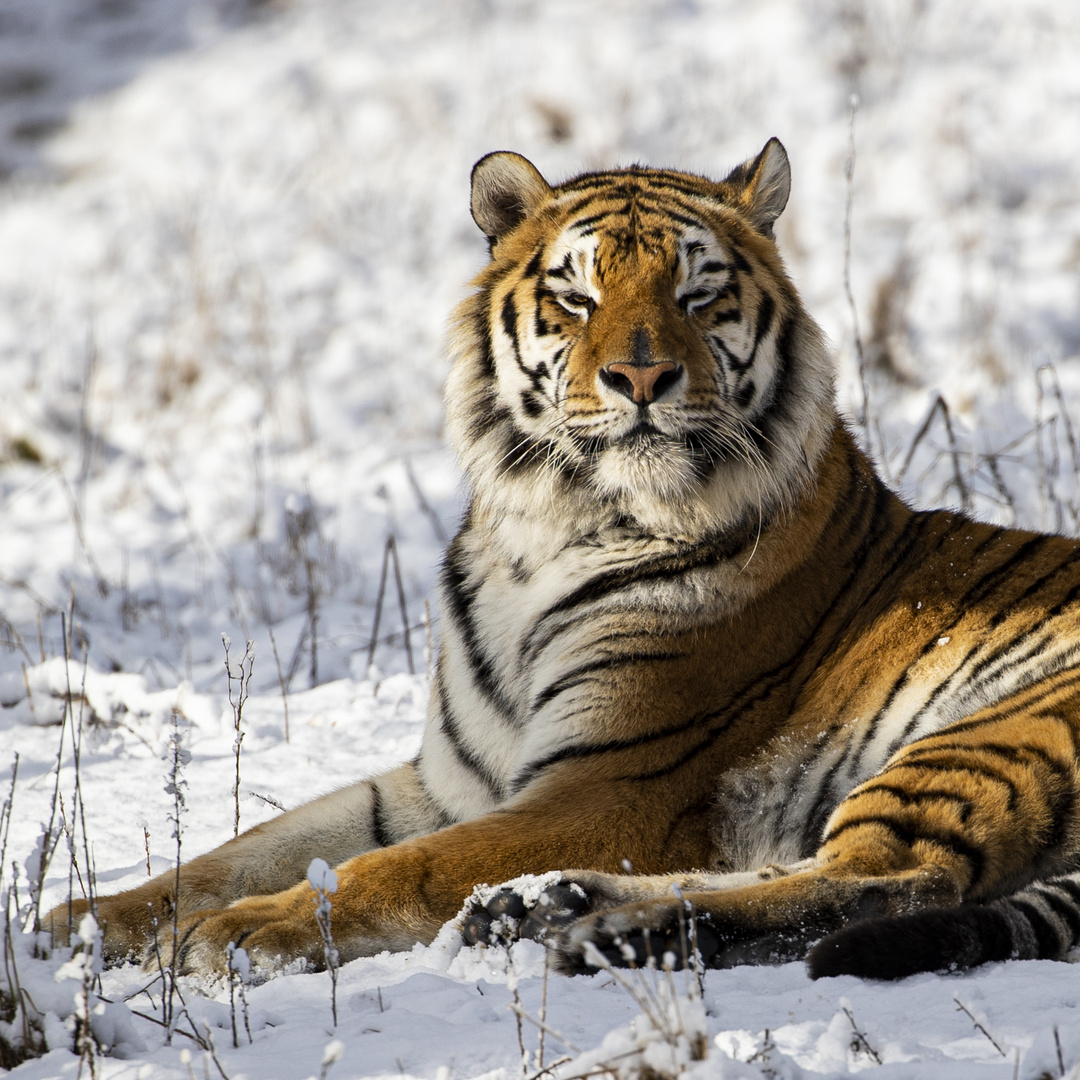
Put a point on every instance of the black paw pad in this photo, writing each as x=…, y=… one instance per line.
x=506, y=916
x=558, y=906
x=477, y=928
x=505, y=903
x=496, y=920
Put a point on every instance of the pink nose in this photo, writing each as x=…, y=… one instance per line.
x=641, y=383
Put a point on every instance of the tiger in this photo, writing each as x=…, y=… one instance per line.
x=698, y=663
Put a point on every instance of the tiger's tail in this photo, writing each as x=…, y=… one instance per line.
x=1041, y=922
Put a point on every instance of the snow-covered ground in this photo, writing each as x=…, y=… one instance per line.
x=232, y=232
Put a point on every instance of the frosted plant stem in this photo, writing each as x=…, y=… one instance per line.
x=242, y=675
x=323, y=881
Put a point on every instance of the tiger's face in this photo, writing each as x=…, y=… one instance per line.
x=635, y=337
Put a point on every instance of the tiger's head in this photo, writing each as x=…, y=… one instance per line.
x=635, y=351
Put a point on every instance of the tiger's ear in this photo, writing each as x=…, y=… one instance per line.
x=761, y=187
x=506, y=188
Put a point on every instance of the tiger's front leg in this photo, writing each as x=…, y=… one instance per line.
x=400, y=895
x=973, y=812
x=265, y=859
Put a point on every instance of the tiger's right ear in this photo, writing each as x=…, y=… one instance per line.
x=506, y=188
x=760, y=187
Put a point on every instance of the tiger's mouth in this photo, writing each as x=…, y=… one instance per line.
x=645, y=441
x=643, y=437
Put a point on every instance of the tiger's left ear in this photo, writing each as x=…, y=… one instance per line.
x=506, y=188
x=760, y=187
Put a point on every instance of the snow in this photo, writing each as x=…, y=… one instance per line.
x=232, y=234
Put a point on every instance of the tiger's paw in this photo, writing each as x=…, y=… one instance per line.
x=267, y=928
x=125, y=921
x=517, y=911
x=656, y=934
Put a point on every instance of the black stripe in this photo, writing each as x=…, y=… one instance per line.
x=460, y=597
x=658, y=179
x=730, y=290
x=378, y=825
x=979, y=769
x=445, y=818
x=580, y=675
x=740, y=260
x=913, y=798
x=617, y=579
x=1024, y=700
x=633, y=199
x=449, y=726
x=919, y=833
x=541, y=325
x=584, y=224
x=1069, y=598
x=1068, y=884
x=1039, y=640
x=978, y=591
x=765, y=315
x=1015, y=755
x=577, y=751
x=1063, y=816
x=481, y=334
x=683, y=759
x=1069, y=562
x=564, y=269
x=509, y=316
x=675, y=215
x=776, y=401
x=1048, y=942
x=943, y=687
x=1064, y=909
x=734, y=363
x=486, y=414
x=874, y=524
x=1009, y=657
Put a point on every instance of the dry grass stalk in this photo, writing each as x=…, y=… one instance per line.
x=323, y=881
x=241, y=673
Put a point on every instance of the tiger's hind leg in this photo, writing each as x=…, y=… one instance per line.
x=768, y=923
x=973, y=812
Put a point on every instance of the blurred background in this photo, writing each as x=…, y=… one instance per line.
x=232, y=231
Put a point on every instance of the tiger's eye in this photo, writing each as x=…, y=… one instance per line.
x=577, y=303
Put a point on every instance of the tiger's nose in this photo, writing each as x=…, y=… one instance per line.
x=641, y=383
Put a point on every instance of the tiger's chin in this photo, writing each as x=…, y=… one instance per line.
x=657, y=480
x=647, y=466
